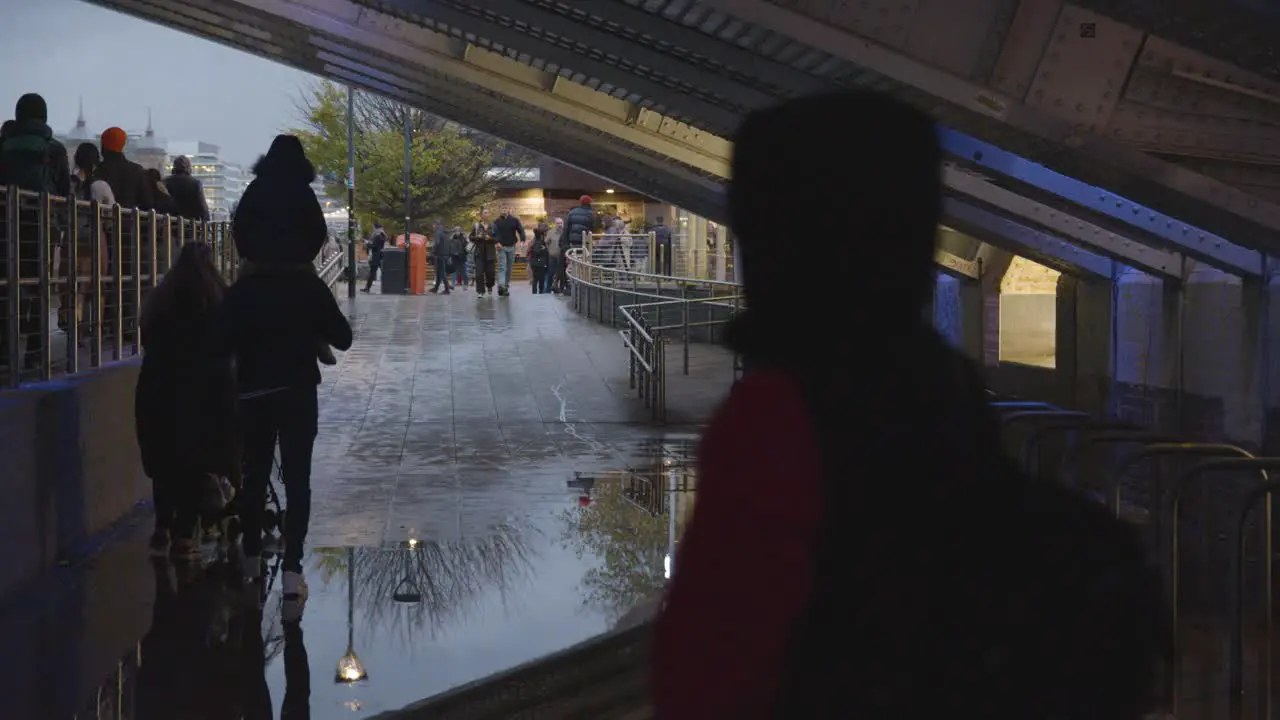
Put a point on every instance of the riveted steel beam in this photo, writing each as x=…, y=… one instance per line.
x=359, y=26
x=1199, y=200
x=1020, y=239
x=956, y=265
x=1156, y=261
x=576, y=48
x=1145, y=222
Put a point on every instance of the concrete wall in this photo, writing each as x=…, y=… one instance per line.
x=71, y=467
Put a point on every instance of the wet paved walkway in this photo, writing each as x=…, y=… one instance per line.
x=451, y=535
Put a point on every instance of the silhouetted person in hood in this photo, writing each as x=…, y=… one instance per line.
x=860, y=547
x=272, y=319
x=186, y=190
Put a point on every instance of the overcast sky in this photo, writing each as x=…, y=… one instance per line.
x=196, y=89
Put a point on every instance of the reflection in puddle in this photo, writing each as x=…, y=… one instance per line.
x=388, y=626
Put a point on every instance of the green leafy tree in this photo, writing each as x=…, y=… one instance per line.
x=630, y=543
x=451, y=167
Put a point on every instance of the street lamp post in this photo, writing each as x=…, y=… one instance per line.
x=408, y=152
x=350, y=669
x=351, y=192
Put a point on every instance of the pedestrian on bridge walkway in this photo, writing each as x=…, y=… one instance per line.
x=271, y=322
x=899, y=566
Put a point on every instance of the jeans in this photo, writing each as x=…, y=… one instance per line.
x=484, y=268
x=539, y=280
x=506, y=258
x=289, y=416
x=442, y=274
x=373, y=275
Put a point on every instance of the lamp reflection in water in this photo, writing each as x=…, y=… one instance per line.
x=350, y=669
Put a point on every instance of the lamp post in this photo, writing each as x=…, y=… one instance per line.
x=408, y=152
x=350, y=669
x=351, y=192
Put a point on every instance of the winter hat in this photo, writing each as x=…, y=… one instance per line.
x=584, y=200
x=114, y=139
x=31, y=107
x=182, y=165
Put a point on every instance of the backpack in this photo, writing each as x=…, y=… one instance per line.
x=28, y=162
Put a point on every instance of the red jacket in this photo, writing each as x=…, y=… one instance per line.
x=745, y=560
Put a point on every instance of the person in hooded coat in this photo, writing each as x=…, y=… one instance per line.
x=273, y=317
x=184, y=404
x=186, y=191
x=860, y=546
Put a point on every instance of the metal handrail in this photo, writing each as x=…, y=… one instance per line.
x=1248, y=462
x=1236, y=658
x=149, y=239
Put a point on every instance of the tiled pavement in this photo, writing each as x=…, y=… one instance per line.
x=451, y=411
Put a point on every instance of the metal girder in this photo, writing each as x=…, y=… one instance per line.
x=1195, y=242
x=1163, y=263
x=1239, y=31
x=627, y=18
x=503, y=118
x=977, y=110
x=572, y=145
x=956, y=265
x=351, y=24
x=1019, y=239
x=554, y=39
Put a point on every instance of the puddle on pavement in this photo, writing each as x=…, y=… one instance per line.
x=408, y=620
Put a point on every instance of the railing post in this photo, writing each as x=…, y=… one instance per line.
x=631, y=356
x=13, y=292
x=44, y=266
x=153, y=257
x=661, y=366
x=684, y=295
x=98, y=318
x=117, y=278
x=137, y=282
x=71, y=292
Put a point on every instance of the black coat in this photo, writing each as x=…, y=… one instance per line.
x=184, y=404
x=188, y=196
x=128, y=181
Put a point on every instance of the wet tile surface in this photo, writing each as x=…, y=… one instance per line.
x=486, y=491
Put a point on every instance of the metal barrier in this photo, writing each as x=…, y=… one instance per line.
x=649, y=325
x=1042, y=419
x=91, y=266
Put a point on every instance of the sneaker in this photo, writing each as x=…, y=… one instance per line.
x=294, y=587
x=159, y=545
x=503, y=292
x=270, y=544
x=480, y=294
x=252, y=568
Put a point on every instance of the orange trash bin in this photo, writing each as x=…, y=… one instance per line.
x=417, y=264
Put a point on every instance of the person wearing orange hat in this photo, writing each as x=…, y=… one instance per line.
x=127, y=179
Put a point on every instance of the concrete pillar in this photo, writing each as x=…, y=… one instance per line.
x=1147, y=357
x=1083, y=348
x=1222, y=379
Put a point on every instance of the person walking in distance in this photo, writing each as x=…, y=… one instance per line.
x=485, y=252
x=555, y=257
x=662, y=245
x=271, y=321
x=374, y=245
x=441, y=255
x=507, y=231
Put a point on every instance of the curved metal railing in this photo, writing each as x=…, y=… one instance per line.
x=670, y=308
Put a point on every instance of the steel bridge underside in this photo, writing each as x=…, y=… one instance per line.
x=1072, y=172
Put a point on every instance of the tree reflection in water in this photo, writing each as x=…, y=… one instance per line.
x=447, y=578
x=629, y=541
